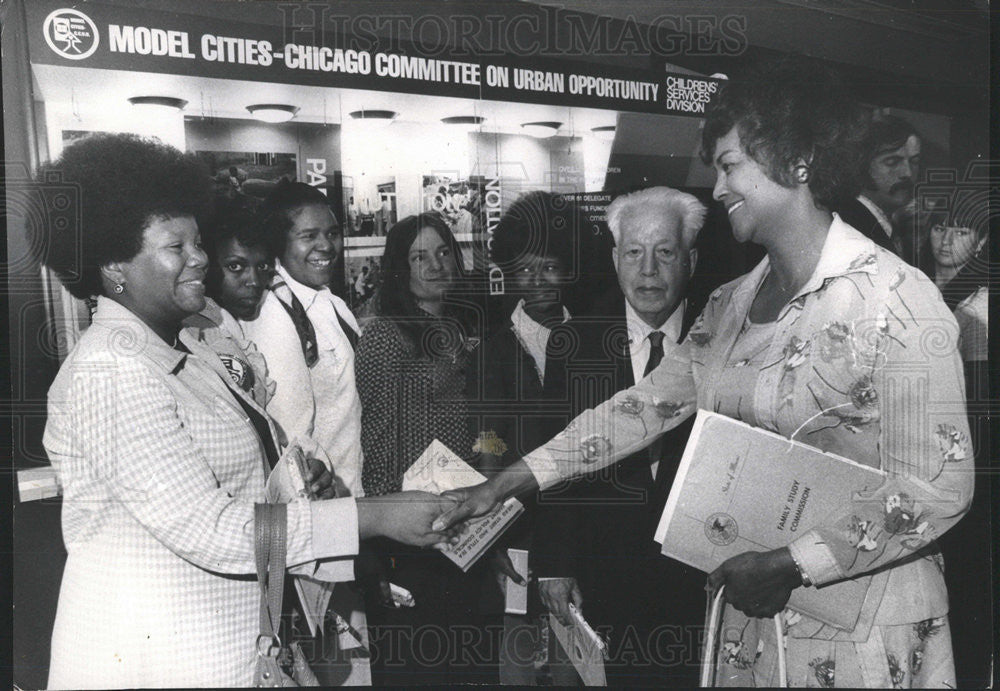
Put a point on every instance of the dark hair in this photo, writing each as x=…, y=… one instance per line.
x=887, y=132
x=232, y=218
x=540, y=223
x=125, y=183
x=551, y=225
x=395, y=300
x=791, y=109
x=884, y=133
x=277, y=212
x=965, y=211
x=970, y=210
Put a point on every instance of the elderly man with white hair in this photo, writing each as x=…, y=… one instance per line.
x=593, y=544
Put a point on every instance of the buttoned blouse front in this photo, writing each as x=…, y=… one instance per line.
x=160, y=468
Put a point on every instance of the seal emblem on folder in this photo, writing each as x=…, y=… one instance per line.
x=721, y=529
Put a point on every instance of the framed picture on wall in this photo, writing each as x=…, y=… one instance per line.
x=363, y=278
x=250, y=173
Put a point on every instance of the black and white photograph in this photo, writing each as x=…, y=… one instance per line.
x=500, y=343
x=246, y=172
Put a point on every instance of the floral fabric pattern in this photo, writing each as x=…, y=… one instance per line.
x=862, y=363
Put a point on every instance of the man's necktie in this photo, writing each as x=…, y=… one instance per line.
x=655, y=352
x=655, y=355
x=258, y=421
x=263, y=431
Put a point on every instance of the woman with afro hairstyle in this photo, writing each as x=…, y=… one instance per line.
x=161, y=457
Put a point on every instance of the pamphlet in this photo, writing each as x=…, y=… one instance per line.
x=439, y=469
x=741, y=489
x=583, y=646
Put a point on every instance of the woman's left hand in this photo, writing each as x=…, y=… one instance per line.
x=758, y=583
x=320, y=481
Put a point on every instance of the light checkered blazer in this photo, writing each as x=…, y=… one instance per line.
x=160, y=468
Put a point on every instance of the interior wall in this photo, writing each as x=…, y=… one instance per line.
x=521, y=162
x=114, y=118
x=305, y=140
x=404, y=151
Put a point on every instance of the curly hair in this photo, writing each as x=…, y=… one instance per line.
x=789, y=110
x=232, y=218
x=539, y=223
x=125, y=183
x=552, y=225
x=277, y=212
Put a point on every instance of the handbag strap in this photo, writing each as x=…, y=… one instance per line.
x=708, y=658
x=270, y=533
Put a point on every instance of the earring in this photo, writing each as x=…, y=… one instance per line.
x=119, y=288
x=802, y=174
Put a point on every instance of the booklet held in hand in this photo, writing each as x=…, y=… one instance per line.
x=743, y=489
x=439, y=469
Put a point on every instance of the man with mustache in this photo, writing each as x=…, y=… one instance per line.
x=888, y=175
x=593, y=541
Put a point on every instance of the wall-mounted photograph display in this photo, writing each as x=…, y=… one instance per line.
x=250, y=173
x=362, y=272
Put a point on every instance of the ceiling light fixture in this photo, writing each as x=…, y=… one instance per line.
x=465, y=122
x=373, y=119
x=541, y=130
x=272, y=112
x=605, y=133
x=167, y=104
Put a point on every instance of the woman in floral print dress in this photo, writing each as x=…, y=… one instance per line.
x=832, y=341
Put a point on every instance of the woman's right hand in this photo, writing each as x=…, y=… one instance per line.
x=407, y=517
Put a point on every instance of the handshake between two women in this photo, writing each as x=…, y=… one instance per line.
x=410, y=517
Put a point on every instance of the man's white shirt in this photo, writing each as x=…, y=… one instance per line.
x=638, y=341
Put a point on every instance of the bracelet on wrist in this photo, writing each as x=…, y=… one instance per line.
x=802, y=573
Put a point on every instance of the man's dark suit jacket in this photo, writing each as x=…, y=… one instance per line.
x=857, y=215
x=599, y=528
x=517, y=413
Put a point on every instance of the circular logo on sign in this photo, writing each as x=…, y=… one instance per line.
x=721, y=529
x=71, y=34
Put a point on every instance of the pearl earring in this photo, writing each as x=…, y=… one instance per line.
x=119, y=288
x=802, y=174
